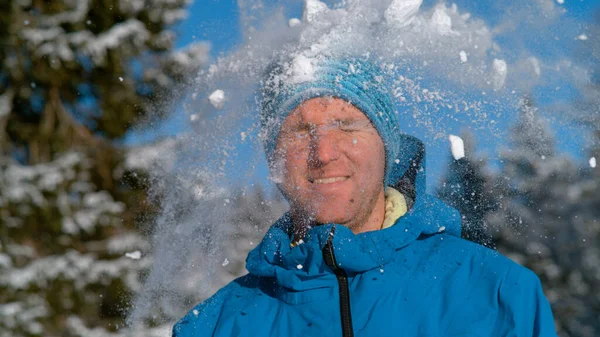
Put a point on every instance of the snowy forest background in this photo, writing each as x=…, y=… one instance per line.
x=76, y=211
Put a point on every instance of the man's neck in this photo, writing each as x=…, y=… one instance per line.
x=374, y=220
x=370, y=222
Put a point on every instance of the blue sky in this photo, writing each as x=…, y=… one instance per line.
x=218, y=22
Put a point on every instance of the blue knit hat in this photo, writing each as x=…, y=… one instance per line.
x=356, y=81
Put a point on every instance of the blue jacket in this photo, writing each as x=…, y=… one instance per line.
x=416, y=278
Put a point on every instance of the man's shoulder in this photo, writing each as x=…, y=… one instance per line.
x=202, y=319
x=490, y=263
x=497, y=284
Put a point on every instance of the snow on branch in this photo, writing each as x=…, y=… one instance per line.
x=76, y=327
x=24, y=314
x=131, y=30
x=131, y=7
x=192, y=56
x=37, y=36
x=6, y=103
x=81, y=269
x=74, y=16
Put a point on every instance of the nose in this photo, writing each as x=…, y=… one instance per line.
x=323, y=148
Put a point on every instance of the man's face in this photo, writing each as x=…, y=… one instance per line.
x=332, y=162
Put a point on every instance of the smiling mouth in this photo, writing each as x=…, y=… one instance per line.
x=331, y=180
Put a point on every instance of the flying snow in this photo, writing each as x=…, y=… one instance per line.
x=312, y=8
x=442, y=21
x=438, y=58
x=136, y=255
x=294, y=22
x=499, y=73
x=593, y=162
x=536, y=65
x=401, y=13
x=217, y=99
x=457, y=146
x=303, y=69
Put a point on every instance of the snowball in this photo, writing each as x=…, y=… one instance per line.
x=134, y=255
x=217, y=98
x=303, y=70
x=457, y=146
x=499, y=70
x=293, y=22
x=593, y=162
x=582, y=37
x=463, y=56
x=226, y=262
x=402, y=12
x=312, y=8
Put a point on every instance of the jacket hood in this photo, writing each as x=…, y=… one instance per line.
x=303, y=268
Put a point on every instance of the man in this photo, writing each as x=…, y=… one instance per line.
x=363, y=250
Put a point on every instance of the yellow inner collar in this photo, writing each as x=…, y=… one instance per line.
x=395, y=207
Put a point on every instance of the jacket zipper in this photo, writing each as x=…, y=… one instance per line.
x=342, y=280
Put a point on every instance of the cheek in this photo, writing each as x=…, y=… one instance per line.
x=295, y=162
x=370, y=155
x=290, y=167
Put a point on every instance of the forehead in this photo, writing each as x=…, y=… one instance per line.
x=324, y=109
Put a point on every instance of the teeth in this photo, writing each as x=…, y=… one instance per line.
x=329, y=180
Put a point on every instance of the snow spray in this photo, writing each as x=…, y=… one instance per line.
x=446, y=73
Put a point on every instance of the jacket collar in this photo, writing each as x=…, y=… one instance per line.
x=302, y=267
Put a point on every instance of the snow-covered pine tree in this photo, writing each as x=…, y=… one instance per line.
x=63, y=249
x=75, y=76
x=542, y=222
x=467, y=187
x=586, y=301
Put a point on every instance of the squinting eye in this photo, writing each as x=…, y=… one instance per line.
x=355, y=126
x=297, y=134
